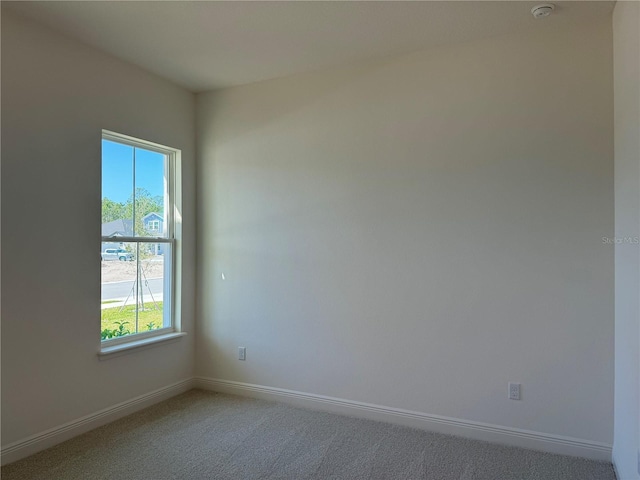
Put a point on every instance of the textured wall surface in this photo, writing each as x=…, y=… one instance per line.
x=419, y=231
x=626, y=41
x=57, y=96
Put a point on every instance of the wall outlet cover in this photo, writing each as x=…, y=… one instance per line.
x=514, y=391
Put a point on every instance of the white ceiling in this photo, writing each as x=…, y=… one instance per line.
x=204, y=45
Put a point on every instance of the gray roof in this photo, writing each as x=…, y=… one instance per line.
x=118, y=227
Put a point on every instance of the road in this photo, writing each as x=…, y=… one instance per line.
x=117, y=290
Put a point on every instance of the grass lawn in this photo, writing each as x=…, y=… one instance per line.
x=152, y=314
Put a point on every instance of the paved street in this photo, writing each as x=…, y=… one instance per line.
x=120, y=290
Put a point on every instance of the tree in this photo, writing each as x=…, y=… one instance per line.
x=145, y=204
x=112, y=210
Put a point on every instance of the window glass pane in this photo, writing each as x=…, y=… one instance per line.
x=151, y=287
x=150, y=193
x=133, y=287
x=117, y=189
x=119, y=270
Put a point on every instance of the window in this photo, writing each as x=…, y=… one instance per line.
x=138, y=274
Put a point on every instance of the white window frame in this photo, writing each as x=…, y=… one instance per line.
x=171, y=236
x=154, y=225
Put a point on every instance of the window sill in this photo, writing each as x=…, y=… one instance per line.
x=113, y=351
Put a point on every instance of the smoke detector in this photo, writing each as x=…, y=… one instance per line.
x=542, y=10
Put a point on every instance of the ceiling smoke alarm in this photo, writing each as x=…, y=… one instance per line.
x=542, y=10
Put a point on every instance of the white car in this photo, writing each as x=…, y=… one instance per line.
x=117, y=254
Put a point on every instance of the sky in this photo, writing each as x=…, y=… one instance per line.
x=117, y=171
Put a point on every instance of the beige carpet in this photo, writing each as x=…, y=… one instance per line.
x=203, y=435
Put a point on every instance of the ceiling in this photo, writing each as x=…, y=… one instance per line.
x=204, y=45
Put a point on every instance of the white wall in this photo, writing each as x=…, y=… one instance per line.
x=419, y=231
x=57, y=95
x=626, y=45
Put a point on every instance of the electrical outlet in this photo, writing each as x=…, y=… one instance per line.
x=242, y=353
x=514, y=391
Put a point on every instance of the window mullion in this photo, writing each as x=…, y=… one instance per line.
x=137, y=239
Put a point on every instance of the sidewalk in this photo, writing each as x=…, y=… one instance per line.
x=119, y=302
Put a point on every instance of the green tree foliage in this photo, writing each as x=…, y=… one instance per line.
x=112, y=210
x=145, y=204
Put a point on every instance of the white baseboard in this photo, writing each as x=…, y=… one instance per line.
x=40, y=441
x=447, y=425
x=452, y=426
